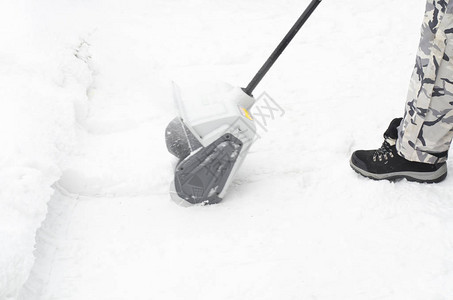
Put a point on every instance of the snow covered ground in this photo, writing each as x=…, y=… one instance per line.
x=85, y=96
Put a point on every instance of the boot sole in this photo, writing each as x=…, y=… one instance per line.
x=422, y=177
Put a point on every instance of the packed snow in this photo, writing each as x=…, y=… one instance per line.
x=85, y=211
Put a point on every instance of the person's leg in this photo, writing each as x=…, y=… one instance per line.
x=416, y=146
x=426, y=132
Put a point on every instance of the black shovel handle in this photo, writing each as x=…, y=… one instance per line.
x=282, y=46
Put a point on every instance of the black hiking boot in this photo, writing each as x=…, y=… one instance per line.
x=386, y=163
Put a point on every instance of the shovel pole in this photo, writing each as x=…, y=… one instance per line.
x=281, y=47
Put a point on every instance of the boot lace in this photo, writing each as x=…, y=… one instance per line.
x=383, y=153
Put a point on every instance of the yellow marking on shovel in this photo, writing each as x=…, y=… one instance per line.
x=247, y=114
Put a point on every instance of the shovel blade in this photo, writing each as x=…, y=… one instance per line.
x=180, y=140
x=201, y=177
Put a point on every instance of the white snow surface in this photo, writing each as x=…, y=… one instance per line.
x=85, y=96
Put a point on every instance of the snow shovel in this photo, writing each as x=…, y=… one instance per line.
x=213, y=133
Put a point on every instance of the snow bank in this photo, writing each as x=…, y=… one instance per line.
x=34, y=121
x=40, y=82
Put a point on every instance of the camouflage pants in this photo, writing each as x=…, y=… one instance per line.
x=426, y=131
